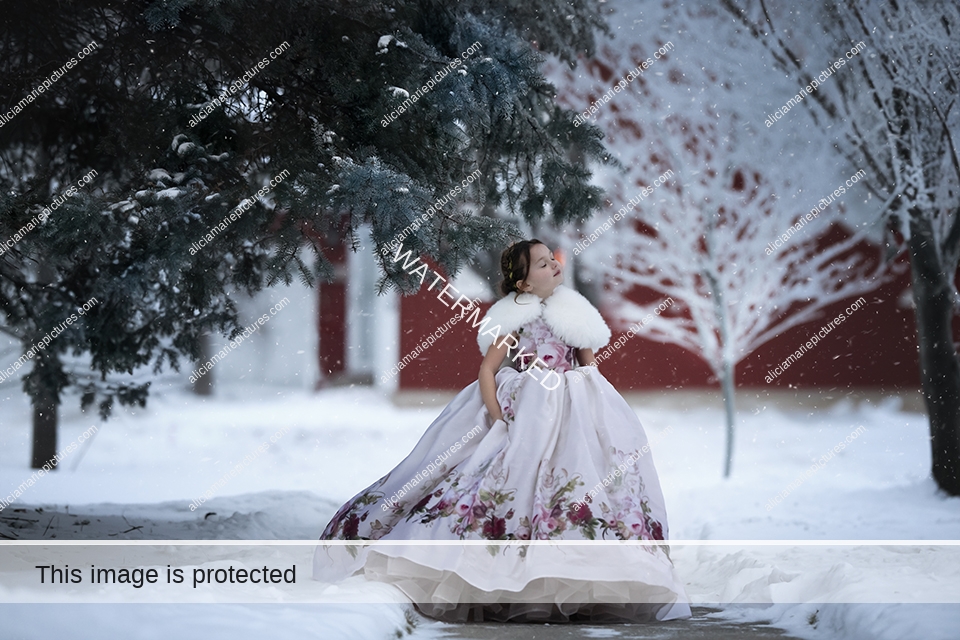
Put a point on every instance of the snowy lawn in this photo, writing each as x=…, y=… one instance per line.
x=136, y=478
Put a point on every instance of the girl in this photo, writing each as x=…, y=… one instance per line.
x=540, y=448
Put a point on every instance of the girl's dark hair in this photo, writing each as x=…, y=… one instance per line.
x=515, y=264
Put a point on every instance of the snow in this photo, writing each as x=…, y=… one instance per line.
x=185, y=148
x=156, y=175
x=144, y=467
x=170, y=193
x=209, y=621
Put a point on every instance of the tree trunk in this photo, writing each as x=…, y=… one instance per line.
x=728, y=402
x=939, y=367
x=204, y=384
x=44, y=429
x=722, y=318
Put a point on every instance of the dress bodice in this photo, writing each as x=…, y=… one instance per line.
x=538, y=340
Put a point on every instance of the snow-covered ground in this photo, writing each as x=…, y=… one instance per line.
x=141, y=471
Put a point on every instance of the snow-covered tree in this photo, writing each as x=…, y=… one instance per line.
x=891, y=107
x=710, y=255
x=731, y=190
x=186, y=109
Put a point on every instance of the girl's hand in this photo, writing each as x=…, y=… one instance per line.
x=488, y=379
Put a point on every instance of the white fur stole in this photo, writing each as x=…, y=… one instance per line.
x=569, y=315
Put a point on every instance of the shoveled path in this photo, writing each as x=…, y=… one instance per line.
x=699, y=627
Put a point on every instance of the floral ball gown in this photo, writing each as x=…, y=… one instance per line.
x=569, y=462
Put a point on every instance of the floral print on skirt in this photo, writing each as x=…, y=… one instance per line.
x=569, y=461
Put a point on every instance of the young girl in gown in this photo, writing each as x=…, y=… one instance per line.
x=540, y=448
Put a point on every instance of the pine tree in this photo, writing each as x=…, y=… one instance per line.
x=185, y=109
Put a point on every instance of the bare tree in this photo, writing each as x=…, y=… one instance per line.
x=892, y=109
x=706, y=244
x=701, y=237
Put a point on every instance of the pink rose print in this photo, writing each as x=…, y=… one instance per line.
x=553, y=354
x=465, y=506
x=579, y=515
x=636, y=526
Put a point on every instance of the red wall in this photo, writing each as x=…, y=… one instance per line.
x=453, y=361
x=875, y=347
x=333, y=309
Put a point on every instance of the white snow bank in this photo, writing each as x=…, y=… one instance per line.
x=336, y=442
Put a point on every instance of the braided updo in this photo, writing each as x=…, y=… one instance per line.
x=515, y=265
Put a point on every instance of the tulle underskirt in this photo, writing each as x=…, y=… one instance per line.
x=587, y=587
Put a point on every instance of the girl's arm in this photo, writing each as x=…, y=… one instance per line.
x=585, y=358
x=488, y=377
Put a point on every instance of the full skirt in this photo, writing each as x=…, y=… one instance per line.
x=569, y=462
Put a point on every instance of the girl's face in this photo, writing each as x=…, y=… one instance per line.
x=544, y=274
